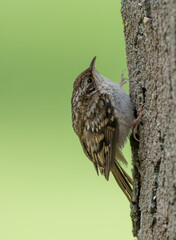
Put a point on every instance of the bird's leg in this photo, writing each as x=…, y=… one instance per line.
x=136, y=122
x=123, y=80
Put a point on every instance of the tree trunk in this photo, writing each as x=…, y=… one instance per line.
x=150, y=35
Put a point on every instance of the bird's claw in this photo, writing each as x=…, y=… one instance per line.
x=136, y=122
x=123, y=80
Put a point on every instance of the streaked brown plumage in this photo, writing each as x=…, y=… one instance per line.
x=101, y=115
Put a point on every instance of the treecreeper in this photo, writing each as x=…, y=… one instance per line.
x=102, y=114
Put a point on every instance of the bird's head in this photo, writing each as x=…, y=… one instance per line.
x=85, y=83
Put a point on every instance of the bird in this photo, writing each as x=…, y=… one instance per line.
x=102, y=116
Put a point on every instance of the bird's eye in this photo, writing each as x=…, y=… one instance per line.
x=89, y=80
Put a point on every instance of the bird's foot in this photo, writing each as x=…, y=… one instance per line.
x=136, y=122
x=123, y=80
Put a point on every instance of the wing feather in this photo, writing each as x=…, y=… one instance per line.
x=100, y=136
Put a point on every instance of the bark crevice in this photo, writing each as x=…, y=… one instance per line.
x=148, y=9
x=135, y=208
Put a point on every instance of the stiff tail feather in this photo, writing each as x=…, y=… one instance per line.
x=123, y=180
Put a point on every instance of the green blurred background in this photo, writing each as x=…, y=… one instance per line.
x=49, y=190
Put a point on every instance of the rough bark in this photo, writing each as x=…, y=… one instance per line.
x=150, y=35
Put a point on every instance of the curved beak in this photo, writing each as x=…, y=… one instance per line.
x=92, y=65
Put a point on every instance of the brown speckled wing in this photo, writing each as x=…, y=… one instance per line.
x=100, y=134
x=87, y=153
